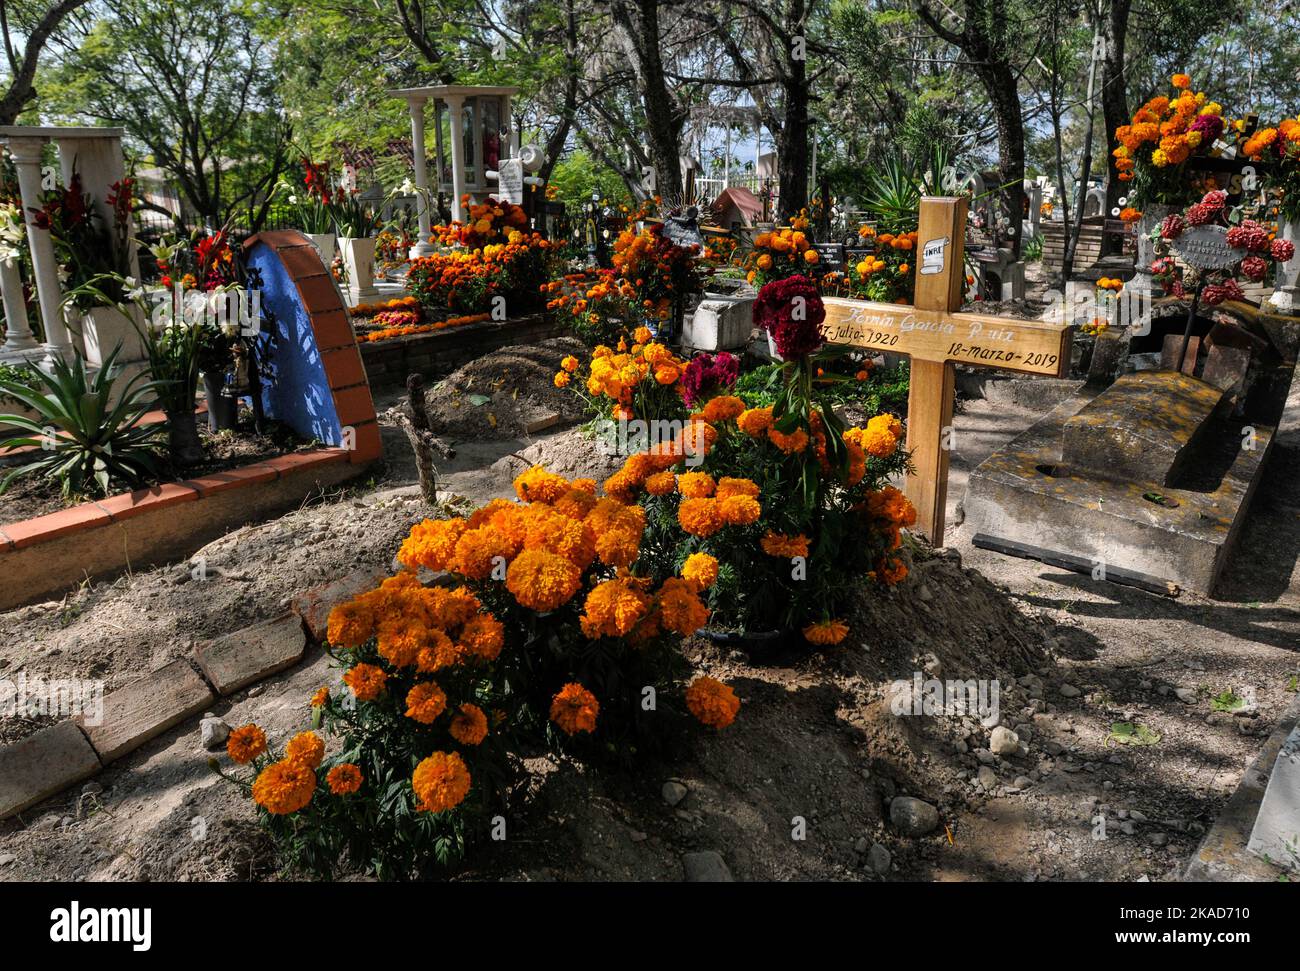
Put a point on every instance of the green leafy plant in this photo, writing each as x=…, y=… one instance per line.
x=1227, y=700
x=1132, y=733
x=96, y=434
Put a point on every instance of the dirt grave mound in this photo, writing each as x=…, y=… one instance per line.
x=509, y=393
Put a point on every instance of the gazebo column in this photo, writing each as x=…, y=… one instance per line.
x=420, y=162
x=456, y=114
x=26, y=153
x=18, y=333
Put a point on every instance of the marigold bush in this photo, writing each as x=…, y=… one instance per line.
x=550, y=618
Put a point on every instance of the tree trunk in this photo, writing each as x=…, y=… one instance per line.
x=999, y=83
x=792, y=143
x=1114, y=106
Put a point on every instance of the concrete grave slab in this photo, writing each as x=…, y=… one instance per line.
x=1276, y=834
x=239, y=659
x=1023, y=495
x=41, y=764
x=1143, y=427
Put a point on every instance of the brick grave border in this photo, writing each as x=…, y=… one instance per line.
x=52, y=553
x=48, y=761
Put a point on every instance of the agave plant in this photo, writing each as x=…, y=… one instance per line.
x=88, y=430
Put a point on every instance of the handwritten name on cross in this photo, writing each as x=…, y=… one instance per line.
x=936, y=338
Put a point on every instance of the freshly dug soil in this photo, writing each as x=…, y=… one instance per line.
x=508, y=393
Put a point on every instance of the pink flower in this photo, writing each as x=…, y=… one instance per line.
x=1254, y=267
x=1250, y=235
x=1282, y=250
x=1172, y=227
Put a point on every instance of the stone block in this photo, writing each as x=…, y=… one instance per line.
x=146, y=708
x=1140, y=429
x=1276, y=834
x=42, y=764
x=719, y=324
x=249, y=655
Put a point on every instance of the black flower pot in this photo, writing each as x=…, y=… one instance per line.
x=223, y=410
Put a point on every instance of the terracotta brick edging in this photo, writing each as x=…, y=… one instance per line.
x=46, y=555
x=54, y=758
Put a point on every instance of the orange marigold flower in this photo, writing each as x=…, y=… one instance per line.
x=890, y=572
x=400, y=640
x=425, y=702
x=284, y=787
x=343, y=779
x=321, y=697
x=561, y=379
x=739, y=510
x=570, y=363
x=574, y=709
x=1181, y=81
x=661, y=483
x=728, y=486
x=699, y=517
x=755, y=421
x=245, y=744
x=307, y=748
x=483, y=636
x=680, y=607
x=786, y=547
x=700, y=570
x=796, y=441
x=696, y=485
x=479, y=551
x=441, y=652
x=712, y=702
x=351, y=624
x=723, y=408
x=826, y=632
x=880, y=437
x=538, y=485
x=542, y=581
x=469, y=725
x=431, y=544
x=441, y=782
x=366, y=681
x=613, y=608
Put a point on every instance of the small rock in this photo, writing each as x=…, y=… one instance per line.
x=1003, y=741
x=1068, y=690
x=912, y=816
x=673, y=792
x=7, y=858
x=1023, y=782
x=1158, y=839
x=878, y=859
x=860, y=844
x=988, y=779
x=1053, y=748
x=706, y=867
x=637, y=836
x=213, y=733
x=985, y=756
x=1186, y=695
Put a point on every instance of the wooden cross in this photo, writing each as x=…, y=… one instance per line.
x=936, y=338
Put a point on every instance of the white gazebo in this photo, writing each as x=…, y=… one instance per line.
x=96, y=155
x=475, y=120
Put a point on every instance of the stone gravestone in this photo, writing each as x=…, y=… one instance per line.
x=1276, y=834
x=936, y=337
x=1145, y=482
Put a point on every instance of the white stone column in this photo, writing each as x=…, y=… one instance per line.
x=455, y=111
x=26, y=153
x=18, y=334
x=420, y=163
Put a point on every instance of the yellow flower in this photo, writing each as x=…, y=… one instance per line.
x=699, y=517
x=542, y=581
x=696, y=485
x=570, y=363
x=700, y=570
x=320, y=698
x=562, y=379
x=680, y=608
x=613, y=608
x=739, y=510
